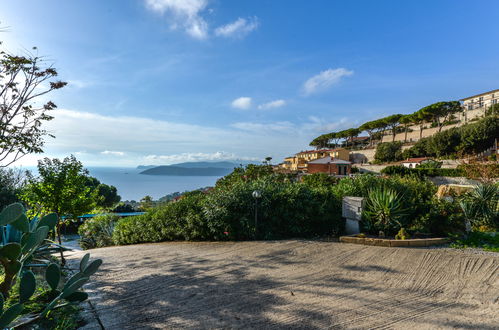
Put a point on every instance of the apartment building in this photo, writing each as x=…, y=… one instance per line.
x=475, y=106
x=299, y=161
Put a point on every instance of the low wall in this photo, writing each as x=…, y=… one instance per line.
x=418, y=242
x=441, y=180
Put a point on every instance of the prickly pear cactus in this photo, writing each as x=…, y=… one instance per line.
x=15, y=255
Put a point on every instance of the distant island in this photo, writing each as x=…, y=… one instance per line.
x=192, y=169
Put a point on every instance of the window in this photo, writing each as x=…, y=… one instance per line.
x=494, y=101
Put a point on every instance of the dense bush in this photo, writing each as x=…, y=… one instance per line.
x=286, y=209
x=388, y=152
x=467, y=139
x=181, y=220
x=97, y=232
x=319, y=180
x=422, y=171
x=417, y=195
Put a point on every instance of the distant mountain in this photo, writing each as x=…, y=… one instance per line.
x=224, y=164
x=145, y=167
x=187, y=171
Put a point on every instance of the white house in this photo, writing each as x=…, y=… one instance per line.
x=414, y=162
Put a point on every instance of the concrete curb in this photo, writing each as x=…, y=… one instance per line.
x=418, y=242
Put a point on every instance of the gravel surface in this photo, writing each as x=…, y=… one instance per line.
x=293, y=284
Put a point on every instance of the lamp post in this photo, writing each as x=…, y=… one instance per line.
x=256, y=195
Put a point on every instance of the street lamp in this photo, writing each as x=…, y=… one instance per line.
x=256, y=195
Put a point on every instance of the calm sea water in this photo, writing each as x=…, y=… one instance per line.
x=133, y=186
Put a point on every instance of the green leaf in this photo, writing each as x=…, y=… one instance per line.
x=21, y=224
x=77, y=296
x=84, y=262
x=53, y=276
x=92, y=267
x=11, y=213
x=35, y=238
x=73, y=279
x=27, y=286
x=10, y=315
x=73, y=287
x=50, y=220
x=13, y=267
x=11, y=251
x=2, y=301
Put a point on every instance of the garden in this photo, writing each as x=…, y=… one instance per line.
x=397, y=206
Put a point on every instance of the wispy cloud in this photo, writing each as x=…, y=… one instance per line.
x=242, y=103
x=324, y=80
x=282, y=126
x=272, y=104
x=195, y=157
x=238, y=29
x=113, y=153
x=184, y=14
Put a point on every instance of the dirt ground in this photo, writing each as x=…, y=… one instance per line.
x=294, y=284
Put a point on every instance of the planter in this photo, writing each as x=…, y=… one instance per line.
x=417, y=242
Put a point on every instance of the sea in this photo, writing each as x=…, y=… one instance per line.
x=133, y=186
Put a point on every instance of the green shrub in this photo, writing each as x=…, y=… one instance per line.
x=468, y=139
x=417, y=193
x=487, y=241
x=481, y=206
x=319, y=180
x=286, y=209
x=422, y=171
x=180, y=220
x=97, y=232
x=402, y=234
x=384, y=210
x=443, y=217
x=388, y=152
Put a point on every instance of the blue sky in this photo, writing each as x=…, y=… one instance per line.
x=164, y=81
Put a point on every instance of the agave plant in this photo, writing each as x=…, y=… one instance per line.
x=384, y=209
x=481, y=205
x=15, y=258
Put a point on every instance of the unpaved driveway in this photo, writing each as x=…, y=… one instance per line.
x=294, y=284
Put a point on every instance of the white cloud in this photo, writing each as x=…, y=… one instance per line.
x=113, y=153
x=324, y=80
x=272, y=105
x=195, y=157
x=99, y=139
x=185, y=14
x=243, y=103
x=238, y=29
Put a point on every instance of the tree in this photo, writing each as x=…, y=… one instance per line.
x=391, y=123
x=146, y=203
x=106, y=195
x=11, y=184
x=440, y=112
x=23, y=80
x=370, y=127
x=61, y=187
x=388, y=152
x=349, y=134
x=406, y=120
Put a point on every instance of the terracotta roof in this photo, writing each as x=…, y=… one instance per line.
x=415, y=160
x=470, y=97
